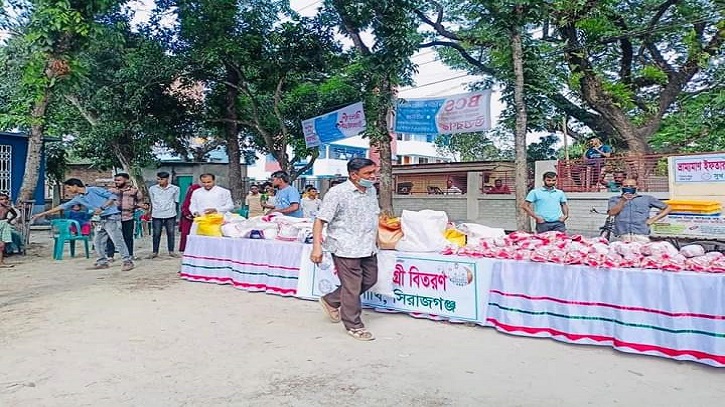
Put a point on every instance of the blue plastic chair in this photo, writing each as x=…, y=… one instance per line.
x=62, y=230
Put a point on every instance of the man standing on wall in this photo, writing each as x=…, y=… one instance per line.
x=547, y=205
x=164, y=198
x=130, y=198
x=103, y=204
x=287, y=199
x=350, y=211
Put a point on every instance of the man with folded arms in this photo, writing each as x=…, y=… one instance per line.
x=350, y=211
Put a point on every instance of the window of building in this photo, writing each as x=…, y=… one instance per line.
x=422, y=160
x=6, y=168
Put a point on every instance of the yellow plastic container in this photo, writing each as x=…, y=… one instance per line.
x=699, y=207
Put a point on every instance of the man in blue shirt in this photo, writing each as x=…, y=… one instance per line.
x=103, y=204
x=287, y=199
x=547, y=205
x=631, y=213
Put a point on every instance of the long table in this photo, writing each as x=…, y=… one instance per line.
x=674, y=315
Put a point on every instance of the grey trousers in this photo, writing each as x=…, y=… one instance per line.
x=109, y=227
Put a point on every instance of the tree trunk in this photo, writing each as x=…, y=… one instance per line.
x=231, y=136
x=35, y=146
x=386, y=166
x=521, y=172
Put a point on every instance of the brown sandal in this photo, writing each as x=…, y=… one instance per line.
x=332, y=312
x=361, y=334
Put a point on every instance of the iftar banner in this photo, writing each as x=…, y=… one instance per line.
x=337, y=125
x=464, y=113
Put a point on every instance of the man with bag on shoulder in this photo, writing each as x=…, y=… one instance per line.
x=350, y=211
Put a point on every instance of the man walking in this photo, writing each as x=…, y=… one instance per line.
x=631, y=213
x=547, y=206
x=103, y=203
x=210, y=198
x=164, y=198
x=287, y=200
x=129, y=199
x=350, y=211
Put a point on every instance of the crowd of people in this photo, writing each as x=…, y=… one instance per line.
x=349, y=212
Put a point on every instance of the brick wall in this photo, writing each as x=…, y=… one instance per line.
x=453, y=205
x=500, y=211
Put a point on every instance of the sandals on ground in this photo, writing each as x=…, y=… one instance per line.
x=361, y=334
x=332, y=312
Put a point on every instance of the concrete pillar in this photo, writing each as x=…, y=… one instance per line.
x=473, y=193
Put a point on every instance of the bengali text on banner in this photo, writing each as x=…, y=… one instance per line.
x=464, y=113
x=337, y=125
x=444, y=287
x=699, y=168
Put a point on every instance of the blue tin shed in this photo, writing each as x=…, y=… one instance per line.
x=13, y=152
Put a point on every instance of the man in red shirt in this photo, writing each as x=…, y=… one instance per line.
x=499, y=188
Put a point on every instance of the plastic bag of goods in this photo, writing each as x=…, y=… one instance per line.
x=692, y=250
x=541, y=254
x=699, y=263
x=389, y=232
x=422, y=231
x=624, y=248
x=557, y=256
x=455, y=237
x=522, y=254
x=613, y=260
x=674, y=263
x=475, y=233
x=658, y=249
x=595, y=259
x=550, y=237
x=209, y=225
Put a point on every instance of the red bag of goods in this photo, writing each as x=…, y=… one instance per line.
x=717, y=266
x=599, y=248
x=486, y=243
x=692, y=250
x=631, y=260
x=550, y=237
x=613, y=260
x=530, y=244
x=518, y=236
x=541, y=254
x=673, y=263
x=595, y=259
x=522, y=254
x=557, y=256
x=700, y=263
x=504, y=252
x=576, y=238
x=649, y=262
x=575, y=257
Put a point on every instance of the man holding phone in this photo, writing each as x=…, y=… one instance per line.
x=631, y=213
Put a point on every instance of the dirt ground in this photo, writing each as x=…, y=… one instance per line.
x=73, y=337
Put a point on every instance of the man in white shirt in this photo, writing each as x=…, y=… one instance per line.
x=310, y=203
x=210, y=198
x=164, y=202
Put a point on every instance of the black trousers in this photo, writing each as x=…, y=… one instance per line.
x=127, y=231
x=170, y=225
